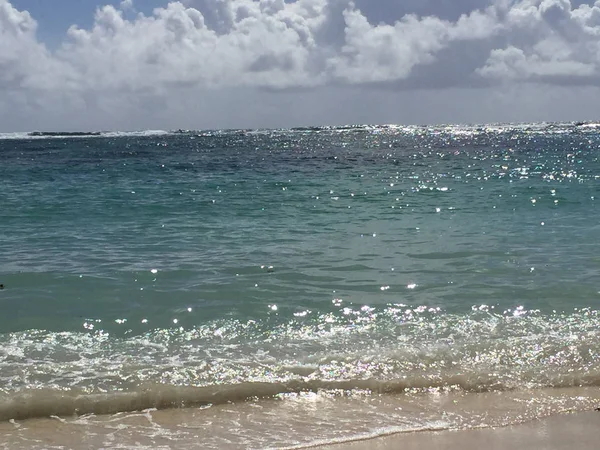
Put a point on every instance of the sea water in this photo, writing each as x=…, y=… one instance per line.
x=280, y=288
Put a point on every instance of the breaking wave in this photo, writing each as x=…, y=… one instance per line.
x=393, y=351
x=37, y=403
x=459, y=130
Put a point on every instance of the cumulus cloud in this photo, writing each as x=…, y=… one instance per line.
x=127, y=60
x=31, y=77
x=391, y=52
x=127, y=5
x=513, y=63
x=25, y=64
x=258, y=44
x=548, y=41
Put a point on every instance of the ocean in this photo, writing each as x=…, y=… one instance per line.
x=285, y=288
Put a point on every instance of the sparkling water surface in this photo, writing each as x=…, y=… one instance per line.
x=282, y=262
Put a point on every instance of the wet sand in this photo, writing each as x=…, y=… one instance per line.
x=575, y=431
x=315, y=422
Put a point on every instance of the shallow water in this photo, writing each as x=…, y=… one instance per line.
x=295, y=421
x=203, y=268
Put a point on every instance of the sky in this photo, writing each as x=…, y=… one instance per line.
x=131, y=65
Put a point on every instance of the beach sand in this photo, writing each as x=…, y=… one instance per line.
x=576, y=431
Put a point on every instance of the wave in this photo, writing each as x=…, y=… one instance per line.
x=392, y=351
x=465, y=130
x=39, y=403
x=64, y=133
x=81, y=134
x=369, y=436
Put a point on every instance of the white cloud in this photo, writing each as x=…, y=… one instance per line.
x=387, y=52
x=512, y=63
x=375, y=53
x=127, y=5
x=22, y=58
x=549, y=41
x=132, y=62
x=267, y=45
x=31, y=78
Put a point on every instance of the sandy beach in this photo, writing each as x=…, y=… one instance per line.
x=561, y=432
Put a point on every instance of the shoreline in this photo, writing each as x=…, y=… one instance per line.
x=567, y=431
x=187, y=428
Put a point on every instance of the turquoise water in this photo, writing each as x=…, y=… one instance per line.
x=256, y=263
